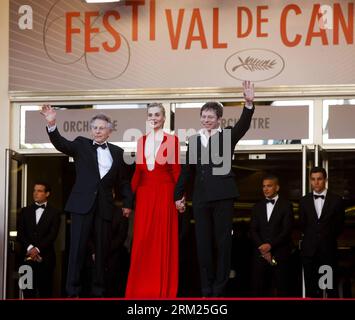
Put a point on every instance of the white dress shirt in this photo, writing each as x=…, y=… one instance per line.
x=39, y=212
x=104, y=159
x=249, y=105
x=52, y=128
x=318, y=203
x=270, y=207
x=205, y=135
x=152, y=144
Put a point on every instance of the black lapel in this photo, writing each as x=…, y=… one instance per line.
x=264, y=213
x=93, y=153
x=200, y=144
x=32, y=217
x=311, y=206
x=199, y=150
x=274, y=210
x=193, y=146
x=114, y=156
x=325, y=205
x=43, y=216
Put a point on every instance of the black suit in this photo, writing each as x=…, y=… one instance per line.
x=91, y=203
x=319, y=242
x=41, y=235
x=213, y=195
x=277, y=232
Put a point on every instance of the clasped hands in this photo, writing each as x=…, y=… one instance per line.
x=265, y=251
x=180, y=205
x=33, y=255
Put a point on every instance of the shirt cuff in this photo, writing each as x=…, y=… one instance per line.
x=52, y=128
x=30, y=247
x=249, y=105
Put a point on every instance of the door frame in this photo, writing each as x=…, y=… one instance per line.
x=10, y=155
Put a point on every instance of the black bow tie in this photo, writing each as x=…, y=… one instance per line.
x=43, y=206
x=103, y=146
x=272, y=201
x=318, y=196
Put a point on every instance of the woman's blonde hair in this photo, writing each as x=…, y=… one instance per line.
x=156, y=104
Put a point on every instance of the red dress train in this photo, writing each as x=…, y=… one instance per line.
x=154, y=258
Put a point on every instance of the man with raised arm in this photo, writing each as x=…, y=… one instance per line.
x=99, y=167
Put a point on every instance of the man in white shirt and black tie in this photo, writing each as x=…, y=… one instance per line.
x=322, y=218
x=99, y=168
x=271, y=230
x=209, y=162
x=37, y=230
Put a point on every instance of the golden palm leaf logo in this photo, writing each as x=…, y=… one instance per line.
x=255, y=64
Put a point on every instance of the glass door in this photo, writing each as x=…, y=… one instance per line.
x=15, y=200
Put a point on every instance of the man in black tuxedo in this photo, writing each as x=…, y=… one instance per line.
x=271, y=231
x=322, y=218
x=208, y=159
x=99, y=168
x=37, y=230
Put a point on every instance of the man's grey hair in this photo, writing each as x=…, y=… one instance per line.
x=103, y=117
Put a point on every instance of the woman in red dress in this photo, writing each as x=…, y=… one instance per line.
x=154, y=259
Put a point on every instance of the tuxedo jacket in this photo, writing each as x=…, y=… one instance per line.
x=277, y=231
x=41, y=235
x=320, y=235
x=211, y=166
x=88, y=185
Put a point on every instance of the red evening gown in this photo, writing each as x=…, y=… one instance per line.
x=154, y=258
